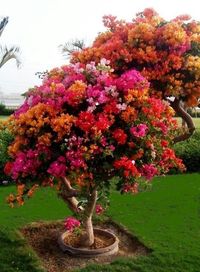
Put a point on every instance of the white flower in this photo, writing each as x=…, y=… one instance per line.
x=121, y=106
x=90, y=100
x=30, y=100
x=153, y=154
x=104, y=61
x=91, y=108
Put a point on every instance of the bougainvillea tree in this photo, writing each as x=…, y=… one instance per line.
x=83, y=126
x=167, y=53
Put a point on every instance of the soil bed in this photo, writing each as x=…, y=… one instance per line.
x=100, y=241
x=43, y=237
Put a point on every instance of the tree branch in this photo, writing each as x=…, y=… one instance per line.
x=69, y=195
x=88, y=237
x=186, y=117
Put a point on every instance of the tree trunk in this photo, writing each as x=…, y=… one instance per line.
x=88, y=238
x=68, y=194
x=187, y=118
x=183, y=123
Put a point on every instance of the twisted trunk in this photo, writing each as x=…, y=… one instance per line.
x=176, y=105
x=69, y=195
x=88, y=238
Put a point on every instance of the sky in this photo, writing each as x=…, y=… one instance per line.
x=38, y=27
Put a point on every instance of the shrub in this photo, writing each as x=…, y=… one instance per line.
x=189, y=152
x=5, y=140
x=4, y=110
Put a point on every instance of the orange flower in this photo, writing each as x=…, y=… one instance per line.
x=32, y=190
x=138, y=155
x=31, y=122
x=20, y=200
x=62, y=125
x=129, y=115
x=11, y=199
x=20, y=189
x=18, y=143
x=45, y=139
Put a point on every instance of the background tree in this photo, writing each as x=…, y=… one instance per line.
x=72, y=46
x=167, y=53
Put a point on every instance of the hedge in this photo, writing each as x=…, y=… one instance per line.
x=189, y=152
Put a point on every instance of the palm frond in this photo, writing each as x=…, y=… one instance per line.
x=3, y=23
x=74, y=45
x=7, y=54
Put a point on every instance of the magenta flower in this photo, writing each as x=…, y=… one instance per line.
x=132, y=80
x=139, y=131
x=58, y=168
x=71, y=223
x=25, y=164
x=149, y=171
x=99, y=209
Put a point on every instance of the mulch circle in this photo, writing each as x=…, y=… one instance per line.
x=42, y=237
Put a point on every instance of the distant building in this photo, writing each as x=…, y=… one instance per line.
x=11, y=100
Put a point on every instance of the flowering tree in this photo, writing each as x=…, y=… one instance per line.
x=83, y=126
x=167, y=53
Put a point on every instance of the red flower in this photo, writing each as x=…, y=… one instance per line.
x=128, y=166
x=102, y=123
x=164, y=143
x=85, y=121
x=120, y=136
x=8, y=168
x=111, y=107
x=99, y=209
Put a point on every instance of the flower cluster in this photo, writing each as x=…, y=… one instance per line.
x=88, y=125
x=166, y=52
x=71, y=223
x=99, y=209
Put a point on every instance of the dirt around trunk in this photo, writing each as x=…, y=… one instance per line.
x=42, y=237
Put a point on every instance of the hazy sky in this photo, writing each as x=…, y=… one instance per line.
x=38, y=27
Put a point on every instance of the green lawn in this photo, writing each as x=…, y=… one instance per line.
x=166, y=219
x=3, y=117
x=195, y=120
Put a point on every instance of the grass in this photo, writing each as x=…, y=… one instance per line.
x=166, y=219
x=14, y=253
x=3, y=117
x=195, y=120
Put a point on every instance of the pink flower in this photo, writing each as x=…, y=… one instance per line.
x=132, y=80
x=76, y=159
x=58, y=168
x=149, y=171
x=71, y=223
x=24, y=108
x=99, y=209
x=162, y=126
x=139, y=131
x=25, y=164
x=130, y=188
